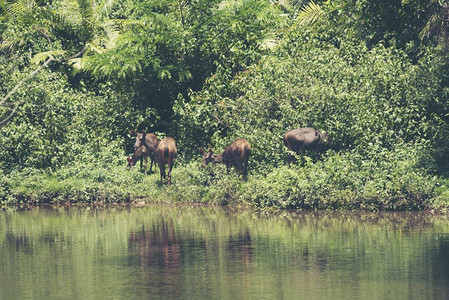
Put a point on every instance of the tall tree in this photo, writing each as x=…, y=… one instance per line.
x=67, y=29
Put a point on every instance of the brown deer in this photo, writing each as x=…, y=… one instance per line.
x=165, y=154
x=307, y=138
x=236, y=154
x=148, y=140
x=140, y=153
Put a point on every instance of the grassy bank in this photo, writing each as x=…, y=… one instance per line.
x=339, y=181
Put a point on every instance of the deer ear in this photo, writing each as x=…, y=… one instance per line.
x=133, y=133
x=201, y=151
x=210, y=151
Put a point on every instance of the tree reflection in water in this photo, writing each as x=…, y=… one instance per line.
x=205, y=252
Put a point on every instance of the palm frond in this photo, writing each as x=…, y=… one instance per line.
x=21, y=11
x=104, y=8
x=94, y=47
x=67, y=15
x=297, y=4
x=111, y=33
x=228, y=4
x=43, y=56
x=309, y=14
x=270, y=41
x=77, y=64
x=128, y=23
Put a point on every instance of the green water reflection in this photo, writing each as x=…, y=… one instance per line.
x=171, y=252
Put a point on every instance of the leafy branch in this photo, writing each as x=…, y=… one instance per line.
x=49, y=57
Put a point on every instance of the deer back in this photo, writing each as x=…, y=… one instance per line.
x=306, y=138
x=301, y=138
x=166, y=150
x=238, y=151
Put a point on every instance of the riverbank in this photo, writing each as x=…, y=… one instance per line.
x=315, y=186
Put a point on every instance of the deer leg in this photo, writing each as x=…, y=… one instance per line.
x=299, y=153
x=145, y=164
x=318, y=152
x=141, y=158
x=239, y=167
x=170, y=166
x=245, y=168
x=151, y=164
x=162, y=170
x=156, y=165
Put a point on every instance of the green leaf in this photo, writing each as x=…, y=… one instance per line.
x=309, y=14
x=43, y=56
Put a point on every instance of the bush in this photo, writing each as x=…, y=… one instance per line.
x=58, y=124
x=360, y=96
x=382, y=181
x=387, y=116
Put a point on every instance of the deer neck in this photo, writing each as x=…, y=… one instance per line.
x=151, y=146
x=137, y=154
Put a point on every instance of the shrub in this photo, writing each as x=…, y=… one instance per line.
x=383, y=180
x=360, y=96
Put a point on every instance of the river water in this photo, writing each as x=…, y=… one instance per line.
x=181, y=252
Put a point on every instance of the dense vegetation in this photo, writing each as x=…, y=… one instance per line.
x=75, y=77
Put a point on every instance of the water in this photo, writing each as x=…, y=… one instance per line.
x=167, y=252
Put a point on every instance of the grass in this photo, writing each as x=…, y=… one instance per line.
x=334, y=183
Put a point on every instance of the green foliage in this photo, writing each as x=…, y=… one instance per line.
x=210, y=185
x=58, y=124
x=361, y=97
x=5, y=194
x=383, y=180
x=376, y=104
x=105, y=180
x=207, y=72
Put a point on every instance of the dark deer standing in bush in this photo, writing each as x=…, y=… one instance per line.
x=307, y=138
x=165, y=154
x=140, y=153
x=236, y=154
x=148, y=140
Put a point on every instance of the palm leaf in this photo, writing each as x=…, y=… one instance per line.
x=104, y=8
x=43, y=56
x=20, y=11
x=309, y=14
x=67, y=16
x=77, y=64
x=128, y=23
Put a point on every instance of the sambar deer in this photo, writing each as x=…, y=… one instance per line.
x=140, y=153
x=307, y=138
x=150, y=141
x=165, y=155
x=236, y=154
